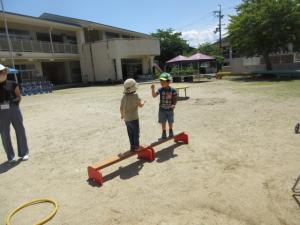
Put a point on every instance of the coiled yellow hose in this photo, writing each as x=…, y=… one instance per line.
x=32, y=202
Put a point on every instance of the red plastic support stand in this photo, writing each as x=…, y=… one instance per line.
x=182, y=137
x=95, y=175
x=147, y=154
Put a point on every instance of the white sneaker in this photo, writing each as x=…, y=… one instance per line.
x=25, y=157
x=12, y=160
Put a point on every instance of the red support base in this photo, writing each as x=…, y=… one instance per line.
x=182, y=137
x=95, y=175
x=147, y=154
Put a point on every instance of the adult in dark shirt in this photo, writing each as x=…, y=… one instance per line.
x=10, y=113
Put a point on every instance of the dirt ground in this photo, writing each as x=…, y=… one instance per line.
x=238, y=169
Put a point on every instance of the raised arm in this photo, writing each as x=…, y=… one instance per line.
x=154, y=94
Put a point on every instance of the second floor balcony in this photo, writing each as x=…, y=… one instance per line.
x=22, y=45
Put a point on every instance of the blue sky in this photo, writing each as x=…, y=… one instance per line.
x=194, y=18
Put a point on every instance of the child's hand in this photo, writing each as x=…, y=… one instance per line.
x=152, y=86
x=122, y=117
x=172, y=106
x=141, y=103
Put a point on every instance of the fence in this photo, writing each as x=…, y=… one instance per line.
x=19, y=45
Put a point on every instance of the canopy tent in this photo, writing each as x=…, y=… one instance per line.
x=195, y=57
x=198, y=58
x=178, y=58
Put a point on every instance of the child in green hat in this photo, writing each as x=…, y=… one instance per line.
x=168, y=100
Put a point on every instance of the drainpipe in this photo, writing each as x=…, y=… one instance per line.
x=51, y=43
x=92, y=61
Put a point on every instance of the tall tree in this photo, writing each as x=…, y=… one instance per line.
x=211, y=50
x=262, y=27
x=171, y=44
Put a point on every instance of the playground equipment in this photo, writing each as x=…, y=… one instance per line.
x=33, y=202
x=147, y=153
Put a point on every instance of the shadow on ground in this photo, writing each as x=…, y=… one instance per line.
x=6, y=166
x=264, y=78
x=183, y=98
x=133, y=169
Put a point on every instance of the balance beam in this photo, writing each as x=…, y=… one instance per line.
x=147, y=153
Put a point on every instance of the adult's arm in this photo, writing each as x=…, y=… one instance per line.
x=18, y=94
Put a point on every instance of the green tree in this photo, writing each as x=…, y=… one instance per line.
x=262, y=27
x=211, y=50
x=171, y=44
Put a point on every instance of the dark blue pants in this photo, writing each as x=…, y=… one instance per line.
x=133, y=130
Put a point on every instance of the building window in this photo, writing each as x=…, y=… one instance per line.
x=110, y=35
x=15, y=34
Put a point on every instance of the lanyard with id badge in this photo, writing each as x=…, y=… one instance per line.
x=4, y=106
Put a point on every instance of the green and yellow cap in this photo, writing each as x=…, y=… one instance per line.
x=165, y=76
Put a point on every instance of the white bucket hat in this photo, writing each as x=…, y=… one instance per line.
x=130, y=86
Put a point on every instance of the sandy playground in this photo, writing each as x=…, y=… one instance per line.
x=238, y=169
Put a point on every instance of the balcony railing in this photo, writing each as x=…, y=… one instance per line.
x=38, y=46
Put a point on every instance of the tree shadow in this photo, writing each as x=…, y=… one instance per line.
x=6, y=166
x=201, y=81
x=183, y=98
x=263, y=78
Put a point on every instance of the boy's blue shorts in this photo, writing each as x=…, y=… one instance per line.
x=165, y=115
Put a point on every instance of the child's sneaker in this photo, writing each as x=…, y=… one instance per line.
x=164, y=135
x=171, y=134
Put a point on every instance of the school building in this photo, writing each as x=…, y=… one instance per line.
x=68, y=50
x=286, y=59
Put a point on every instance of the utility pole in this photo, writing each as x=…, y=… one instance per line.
x=8, y=41
x=218, y=14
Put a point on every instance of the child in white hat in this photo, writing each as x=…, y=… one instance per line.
x=129, y=112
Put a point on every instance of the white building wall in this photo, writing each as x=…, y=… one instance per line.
x=103, y=62
x=107, y=55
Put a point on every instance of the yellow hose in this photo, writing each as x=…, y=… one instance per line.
x=32, y=202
